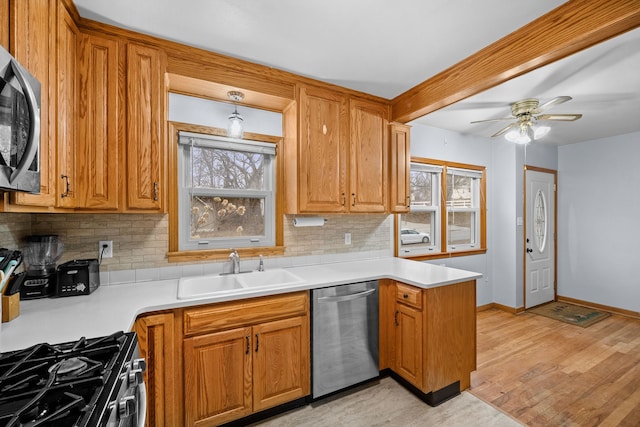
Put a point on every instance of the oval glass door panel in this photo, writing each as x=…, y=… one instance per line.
x=540, y=215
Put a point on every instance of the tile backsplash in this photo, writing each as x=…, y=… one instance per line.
x=140, y=241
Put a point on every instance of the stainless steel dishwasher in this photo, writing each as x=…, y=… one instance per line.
x=345, y=336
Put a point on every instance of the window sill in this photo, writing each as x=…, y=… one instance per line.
x=223, y=254
x=440, y=255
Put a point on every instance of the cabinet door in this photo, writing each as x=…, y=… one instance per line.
x=369, y=157
x=399, y=168
x=145, y=114
x=68, y=34
x=408, y=358
x=217, y=377
x=157, y=347
x=98, y=106
x=281, y=362
x=323, y=151
x=32, y=24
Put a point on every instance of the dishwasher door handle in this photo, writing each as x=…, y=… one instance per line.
x=348, y=297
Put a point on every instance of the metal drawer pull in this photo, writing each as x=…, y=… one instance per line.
x=347, y=297
x=405, y=296
x=257, y=342
x=395, y=318
x=248, y=345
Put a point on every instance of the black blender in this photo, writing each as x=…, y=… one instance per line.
x=40, y=256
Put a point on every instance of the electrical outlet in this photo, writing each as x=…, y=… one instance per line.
x=105, y=247
x=347, y=238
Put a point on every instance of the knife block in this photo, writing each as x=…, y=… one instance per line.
x=10, y=307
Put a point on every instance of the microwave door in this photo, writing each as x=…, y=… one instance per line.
x=33, y=140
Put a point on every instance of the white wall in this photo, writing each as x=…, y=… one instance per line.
x=441, y=144
x=598, y=230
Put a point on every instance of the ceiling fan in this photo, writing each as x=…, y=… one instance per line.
x=527, y=113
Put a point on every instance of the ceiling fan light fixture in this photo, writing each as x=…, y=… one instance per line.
x=519, y=136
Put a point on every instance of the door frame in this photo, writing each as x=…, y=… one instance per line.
x=524, y=230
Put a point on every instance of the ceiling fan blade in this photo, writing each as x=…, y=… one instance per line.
x=555, y=101
x=559, y=117
x=493, y=120
x=506, y=129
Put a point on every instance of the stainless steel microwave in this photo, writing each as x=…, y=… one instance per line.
x=19, y=127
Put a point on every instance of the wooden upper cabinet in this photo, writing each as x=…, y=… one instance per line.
x=323, y=150
x=145, y=135
x=399, y=168
x=342, y=153
x=98, y=118
x=32, y=23
x=68, y=179
x=368, y=155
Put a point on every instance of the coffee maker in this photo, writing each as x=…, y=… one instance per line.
x=40, y=256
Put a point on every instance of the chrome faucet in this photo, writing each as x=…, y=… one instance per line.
x=235, y=261
x=261, y=264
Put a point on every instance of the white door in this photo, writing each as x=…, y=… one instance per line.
x=539, y=238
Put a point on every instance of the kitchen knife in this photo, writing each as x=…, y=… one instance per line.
x=7, y=273
x=16, y=282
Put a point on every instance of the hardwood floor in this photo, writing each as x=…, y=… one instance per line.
x=547, y=373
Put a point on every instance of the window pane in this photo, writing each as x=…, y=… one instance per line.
x=461, y=228
x=417, y=228
x=421, y=188
x=459, y=191
x=217, y=217
x=217, y=168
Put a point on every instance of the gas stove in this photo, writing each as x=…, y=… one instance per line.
x=89, y=382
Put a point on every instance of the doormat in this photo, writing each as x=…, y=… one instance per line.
x=569, y=313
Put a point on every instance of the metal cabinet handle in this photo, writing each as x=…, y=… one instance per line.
x=395, y=318
x=354, y=198
x=247, y=338
x=257, y=342
x=67, y=186
x=155, y=191
x=33, y=141
x=344, y=199
x=408, y=201
x=405, y=296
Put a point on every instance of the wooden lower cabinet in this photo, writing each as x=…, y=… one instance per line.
x=157, y=346
x=245, y=362
x=217, y=377
x=408, y=357
x=434, y=336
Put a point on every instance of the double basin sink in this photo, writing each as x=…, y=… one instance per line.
x=212, y=285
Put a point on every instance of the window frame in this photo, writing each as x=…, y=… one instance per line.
x=175, y=254
x=444, y=250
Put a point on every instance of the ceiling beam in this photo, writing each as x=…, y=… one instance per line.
x=570, y=28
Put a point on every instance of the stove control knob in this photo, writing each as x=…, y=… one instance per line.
x=135, y=377
x=140, y=364
x=127, y=406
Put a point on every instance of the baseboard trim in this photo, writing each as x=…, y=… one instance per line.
x=512, y=310
x=610, y=309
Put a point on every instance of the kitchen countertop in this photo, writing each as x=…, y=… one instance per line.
x=115, y=307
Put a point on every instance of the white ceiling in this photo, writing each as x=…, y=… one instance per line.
x=385, y=47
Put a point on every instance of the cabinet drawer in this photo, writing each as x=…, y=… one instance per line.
x=409, y=295
x=233, y=314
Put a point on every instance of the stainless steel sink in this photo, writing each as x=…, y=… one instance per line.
x=206, y=286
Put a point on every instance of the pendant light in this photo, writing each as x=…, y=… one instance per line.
x=234, y=127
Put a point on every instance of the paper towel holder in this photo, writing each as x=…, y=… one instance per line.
x=309, y=221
